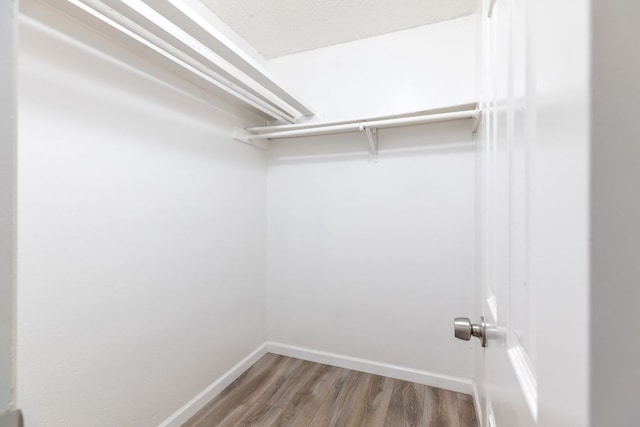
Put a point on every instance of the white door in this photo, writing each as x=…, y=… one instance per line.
x=532, y=175
x=8, y=40
x=507, y=364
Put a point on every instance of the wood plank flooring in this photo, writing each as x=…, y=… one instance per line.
x=283, y=391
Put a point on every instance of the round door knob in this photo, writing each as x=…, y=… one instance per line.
x=462, y=328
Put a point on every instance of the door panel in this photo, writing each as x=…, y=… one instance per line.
x=532, y=278
x=506, y=367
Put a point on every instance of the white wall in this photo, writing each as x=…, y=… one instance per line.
x=416, y=69
x=374, y=260
x=8, y=57
x=142, y=235
x=615, y=207
x=143, y=229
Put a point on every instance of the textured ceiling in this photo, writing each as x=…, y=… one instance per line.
x=281, y=27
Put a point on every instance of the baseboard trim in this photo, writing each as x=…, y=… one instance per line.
x=192, y=407
x=432, y=379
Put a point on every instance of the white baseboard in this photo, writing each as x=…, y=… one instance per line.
x=432, y=379
x=192, y=407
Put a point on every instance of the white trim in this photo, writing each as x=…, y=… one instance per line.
x=477, y=405
x=8, y=146
x=491, y=416
x=526, y=377
x=432, y=379
x=183, y=414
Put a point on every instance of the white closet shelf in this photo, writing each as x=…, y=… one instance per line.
x=258, y=135
x=184, y=37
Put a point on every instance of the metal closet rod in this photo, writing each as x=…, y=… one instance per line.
x=359, y=126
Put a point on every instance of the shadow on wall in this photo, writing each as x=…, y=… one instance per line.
x=420, y=140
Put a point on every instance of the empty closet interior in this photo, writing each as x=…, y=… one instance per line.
x=199, y=187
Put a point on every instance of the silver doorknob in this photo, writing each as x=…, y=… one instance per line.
x=464, y=329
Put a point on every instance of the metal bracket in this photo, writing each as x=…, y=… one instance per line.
x=242, y=135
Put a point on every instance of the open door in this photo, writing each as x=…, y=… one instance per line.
x=8, y=55
x=507, y=365
x=532, y=215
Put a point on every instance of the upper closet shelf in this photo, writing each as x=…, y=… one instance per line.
x=185, y=37
x=259, y=135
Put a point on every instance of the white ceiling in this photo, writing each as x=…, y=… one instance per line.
x=281, y=27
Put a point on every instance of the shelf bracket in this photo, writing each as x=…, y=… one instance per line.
x=476, y=122
x=372, y=137
x=242, y=135
x=491, y=5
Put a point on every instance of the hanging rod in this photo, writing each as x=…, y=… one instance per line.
x=308, y=129
x=258, y=136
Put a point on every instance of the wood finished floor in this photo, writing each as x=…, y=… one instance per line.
x=283, y=391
